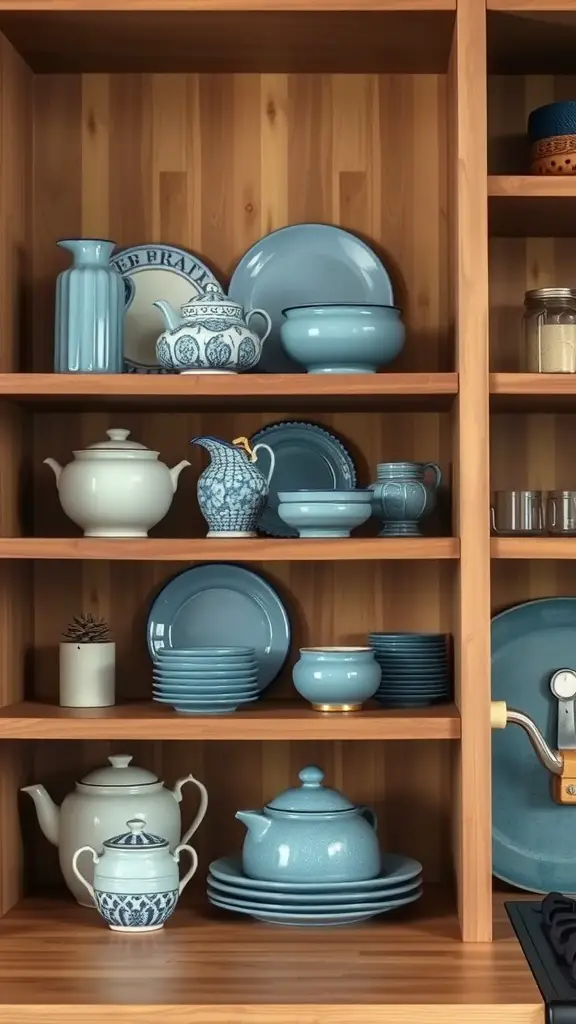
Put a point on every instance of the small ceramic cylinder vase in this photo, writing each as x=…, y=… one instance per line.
x=336, y=678
x=402, y=496
x=87, y=674
x=89, y=311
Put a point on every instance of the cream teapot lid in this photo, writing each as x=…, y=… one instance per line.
x=311, y=797
x=120, y=772
x=117, y=438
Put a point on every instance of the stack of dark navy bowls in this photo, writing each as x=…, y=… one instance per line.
x=205, y=680
x=415, y=669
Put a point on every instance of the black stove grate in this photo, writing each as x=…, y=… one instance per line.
x=546, y=931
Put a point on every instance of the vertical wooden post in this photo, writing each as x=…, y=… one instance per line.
x=468, y=168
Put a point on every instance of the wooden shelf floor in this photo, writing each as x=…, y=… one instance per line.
x=271, y=720
x=533, y=547
x=58, y=962
x=533, y=392
x=264, y=391
x=260, y=549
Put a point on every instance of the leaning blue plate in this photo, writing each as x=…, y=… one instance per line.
x=222, y=605
x=307, y=457
x=533, y=838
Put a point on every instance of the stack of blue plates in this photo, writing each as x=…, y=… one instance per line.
x=205, y=680
x=415, y=669
x=315, y=903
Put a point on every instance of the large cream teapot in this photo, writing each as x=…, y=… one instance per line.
x=116, y=488
x=99, y=807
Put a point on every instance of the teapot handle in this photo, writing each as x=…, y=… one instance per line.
x=370, y=817
x=272, y=459
x=177, y=794
x=191, y=869
x=265, y=317
x=76, y=869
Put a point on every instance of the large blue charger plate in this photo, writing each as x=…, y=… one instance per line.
x=303, y=264
x=533, y=838
x=307, y=458
x=220, y=605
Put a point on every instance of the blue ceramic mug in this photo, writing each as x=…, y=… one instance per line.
x=401, y=496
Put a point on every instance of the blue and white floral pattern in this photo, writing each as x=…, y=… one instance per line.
x=186, y=351
x=247, y=354
x=218, y=352
x=143, y=910
x=232, y=492
x=164, y=354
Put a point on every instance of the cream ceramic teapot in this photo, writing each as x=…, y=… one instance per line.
x=99, y=807
x=116, y=487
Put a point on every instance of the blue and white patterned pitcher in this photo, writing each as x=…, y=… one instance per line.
x=232, y=491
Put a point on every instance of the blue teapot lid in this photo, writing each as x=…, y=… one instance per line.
x=136, y=838
x=311, y=796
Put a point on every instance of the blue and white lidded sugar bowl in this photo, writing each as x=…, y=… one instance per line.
x=136, y=884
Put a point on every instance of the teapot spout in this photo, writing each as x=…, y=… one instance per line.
x=256, y=823
x=47, y=811
x=172, y=319
x=175, y=473
x=55, y=466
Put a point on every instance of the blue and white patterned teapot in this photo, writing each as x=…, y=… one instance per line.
x=232, y=491
x=211, y=335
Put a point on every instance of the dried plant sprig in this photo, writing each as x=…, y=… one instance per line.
x=88, y=629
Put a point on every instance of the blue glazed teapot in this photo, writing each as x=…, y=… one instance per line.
x=310, y=834
x=232, y=491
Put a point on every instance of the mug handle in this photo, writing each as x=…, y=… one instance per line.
x=265, y=317
x=435, y=469
x=552, y=511
x=191, y=869
x=369, y=815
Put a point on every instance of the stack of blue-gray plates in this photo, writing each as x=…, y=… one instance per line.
x=415, y=669
x=205, y=680
x=318, y=903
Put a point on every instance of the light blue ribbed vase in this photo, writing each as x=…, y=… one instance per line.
x=89, y=310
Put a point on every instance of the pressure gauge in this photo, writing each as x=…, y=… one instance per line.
x=563, y=684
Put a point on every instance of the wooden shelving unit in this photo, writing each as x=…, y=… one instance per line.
x=219, y=122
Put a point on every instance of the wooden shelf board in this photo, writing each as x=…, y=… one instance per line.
x=254, y=36
x=563, y=548
x=533, y=392
x=259, y=549
x=210, y=967
x=267, y=392
x=269, y=720
x=527, y=205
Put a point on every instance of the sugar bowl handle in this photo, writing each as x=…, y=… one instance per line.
x=433, y=468
x=193, y=866
x=76, y=870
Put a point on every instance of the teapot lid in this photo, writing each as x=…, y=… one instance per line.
x=120, y=773
x=117, y=438
x=136, y=838
x=311, y=796
x=213, y=295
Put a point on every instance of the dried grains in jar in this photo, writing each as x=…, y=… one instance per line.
x=550, y=330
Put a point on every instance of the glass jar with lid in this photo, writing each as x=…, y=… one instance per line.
x=550, y=330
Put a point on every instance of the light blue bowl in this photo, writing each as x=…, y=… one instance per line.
x=342, y=338
x=324, y=518
x=336, y=678
x=360, y=496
